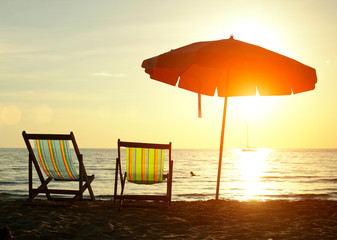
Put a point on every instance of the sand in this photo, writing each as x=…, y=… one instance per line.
x=307, y=219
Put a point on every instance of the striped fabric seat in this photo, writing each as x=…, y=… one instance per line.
x=55, y=159
x=144, y=165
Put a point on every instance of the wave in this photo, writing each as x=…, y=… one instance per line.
x=321, y=180
x=194, y=196
x=11, y=183
x=333, y=180
x=287, y=177
x=12, y=196
x=294, y=197
x=105, y=196
x=309, y=196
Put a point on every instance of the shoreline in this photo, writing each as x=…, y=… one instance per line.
x=211, y=219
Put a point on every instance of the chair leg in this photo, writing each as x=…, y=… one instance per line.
x=169, y=183
x=83, y=175
x=30, y=176
x=87, y=185
x=92, y=196
x=36, y=192
x=121, y=201
x=116, y=179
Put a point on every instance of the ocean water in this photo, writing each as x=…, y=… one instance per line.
x=266, y=174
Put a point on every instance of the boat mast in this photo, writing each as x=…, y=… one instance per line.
x=247, y=137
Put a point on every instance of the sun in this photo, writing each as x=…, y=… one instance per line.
x=252, y=108
x=254, y=31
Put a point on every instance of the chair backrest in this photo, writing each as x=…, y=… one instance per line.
x=53, y=154
x=55, y=159
x=144, y=161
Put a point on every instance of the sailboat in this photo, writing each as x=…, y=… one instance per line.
x=248, y=149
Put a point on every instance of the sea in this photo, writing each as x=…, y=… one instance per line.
x=264, y=174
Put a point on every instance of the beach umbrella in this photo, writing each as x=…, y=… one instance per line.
x=230, y=68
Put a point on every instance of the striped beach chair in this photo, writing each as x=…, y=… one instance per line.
x=144, y=165
x=52, y=154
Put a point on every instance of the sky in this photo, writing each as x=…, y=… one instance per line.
x=76, y=66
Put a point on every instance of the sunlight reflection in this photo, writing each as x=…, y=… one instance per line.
x=10, y=115
x=250, y=168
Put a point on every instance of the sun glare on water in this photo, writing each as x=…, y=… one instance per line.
x=250, y=168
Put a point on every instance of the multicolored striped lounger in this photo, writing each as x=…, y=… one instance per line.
x=144, y=165
x=52, y=155
x=55, y=159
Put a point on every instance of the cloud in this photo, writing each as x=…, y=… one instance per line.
x=10, y=115
x=105, y=74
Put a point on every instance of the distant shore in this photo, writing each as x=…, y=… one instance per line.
x=278, y=219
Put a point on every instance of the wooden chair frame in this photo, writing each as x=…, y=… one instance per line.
x=118, y=174
x=84, y=179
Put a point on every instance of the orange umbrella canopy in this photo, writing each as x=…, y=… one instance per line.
x=233, y=68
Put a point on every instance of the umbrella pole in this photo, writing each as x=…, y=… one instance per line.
x=221, y=148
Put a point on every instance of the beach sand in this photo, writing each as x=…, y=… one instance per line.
x=307, y=219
